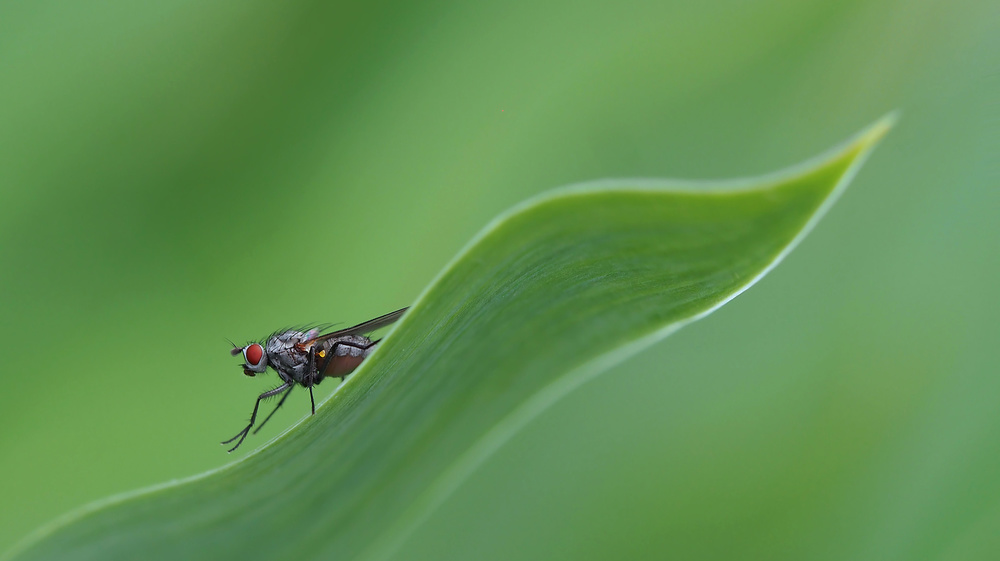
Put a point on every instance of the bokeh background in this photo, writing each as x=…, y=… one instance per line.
x=176, y=173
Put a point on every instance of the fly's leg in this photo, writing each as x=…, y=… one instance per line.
x=326, y=363
x=329, y=357
x=273, y=411
x=312, y=369
x=253, y=416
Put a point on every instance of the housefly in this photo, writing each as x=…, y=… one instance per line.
x=305, y=358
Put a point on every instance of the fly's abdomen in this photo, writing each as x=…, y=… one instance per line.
x=340, y=366
x=343, y=355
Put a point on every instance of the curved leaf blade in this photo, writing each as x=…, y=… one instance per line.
x=548, y=295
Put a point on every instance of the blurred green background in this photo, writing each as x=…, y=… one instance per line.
x=176, y=173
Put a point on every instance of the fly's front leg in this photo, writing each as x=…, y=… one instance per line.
x=275, y=410
x=253, y=416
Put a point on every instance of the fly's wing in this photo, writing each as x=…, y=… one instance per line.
x=366, y=327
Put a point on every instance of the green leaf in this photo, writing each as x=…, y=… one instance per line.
x=547, y=296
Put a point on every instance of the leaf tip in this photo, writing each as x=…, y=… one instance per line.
x=868, y=138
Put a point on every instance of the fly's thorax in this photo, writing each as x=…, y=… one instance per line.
x=287, y=355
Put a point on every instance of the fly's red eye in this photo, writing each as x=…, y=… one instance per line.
x=254, y=354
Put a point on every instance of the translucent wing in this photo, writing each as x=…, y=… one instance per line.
x=366, y=327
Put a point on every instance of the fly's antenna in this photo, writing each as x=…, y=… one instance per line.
x=236, y=348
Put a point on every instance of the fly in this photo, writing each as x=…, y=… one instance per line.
x=305, y=358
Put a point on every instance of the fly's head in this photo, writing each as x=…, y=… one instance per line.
x=254, y=358
x=287, y=352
